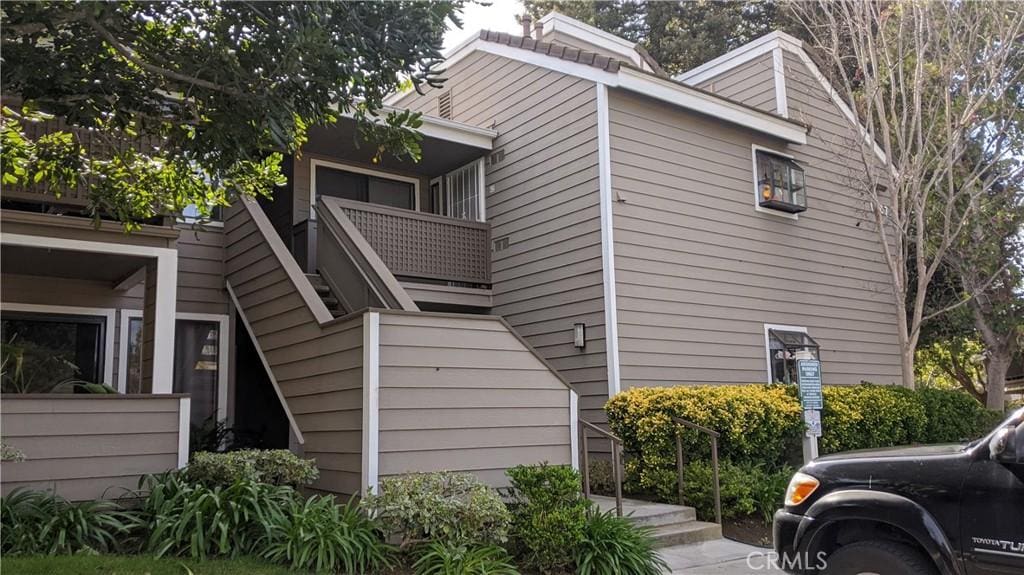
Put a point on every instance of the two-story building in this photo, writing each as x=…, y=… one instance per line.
x=579, y=224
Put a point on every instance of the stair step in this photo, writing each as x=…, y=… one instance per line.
x=682, y=515
x=330, y=301
x=686, y=532
x=648, y=512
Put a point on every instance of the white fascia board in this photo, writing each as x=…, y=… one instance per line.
x=711, y=105
x=555, y=22
x=770, y=42
x=370, y=471
x=442, y=129
x=611, y=321
x=743, y=54
x=779, y=73
x=649, y=85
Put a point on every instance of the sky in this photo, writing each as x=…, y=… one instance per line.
x=499, y=16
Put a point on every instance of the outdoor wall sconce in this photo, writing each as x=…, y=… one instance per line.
x=579, y=331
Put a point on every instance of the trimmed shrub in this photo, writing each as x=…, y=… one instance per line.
x=272, y=466
x=602, y=480
x=41, y=523
x=317, y=534
x=866, y=416
x=745, y=489
x=449, y=507
x=439, y=558
x=613, y=545
x=761, y=426
x=549, y=516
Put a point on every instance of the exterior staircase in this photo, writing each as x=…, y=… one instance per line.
x=324, y=291
x=672, y=524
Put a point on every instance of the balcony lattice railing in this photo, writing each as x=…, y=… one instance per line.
x=418, y=245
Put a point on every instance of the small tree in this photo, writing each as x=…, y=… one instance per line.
x=218, y=90
x=936, y=87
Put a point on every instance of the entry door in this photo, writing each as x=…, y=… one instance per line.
x=992, y=518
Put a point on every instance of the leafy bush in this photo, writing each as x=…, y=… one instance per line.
x=318, y=534
x=757, y=422
x=41, y=523
x=863, y=416
x=761, y=425
x=439, y=558
x=613, y=545
x=954, y=416
x=602, y=480
x=273, y=466
x=549, y=515
x=745, y=489
x=449, y=507
x=192, y=519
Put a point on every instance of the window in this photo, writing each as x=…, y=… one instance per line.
x=42, y=351
x=787, y=345
x=196, y=366
x=199, y=362
x=780, y=183
x=363, y=186
x=459, y=194
x=191, y=215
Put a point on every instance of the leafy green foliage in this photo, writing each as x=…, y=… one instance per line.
x=193, y=520
x=613, y=545
x=761, y=427
x=454, y=508
x=273, y=466
x=39, y=522
x=211, y=94
x=549, y=515
x=138, y=565
x=320, y=535
x=440, y=558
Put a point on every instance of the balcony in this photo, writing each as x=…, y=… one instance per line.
x=423, y=247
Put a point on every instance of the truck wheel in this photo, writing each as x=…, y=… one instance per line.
x=877, y=557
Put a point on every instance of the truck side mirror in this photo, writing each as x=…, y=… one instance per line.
x=1007, y=445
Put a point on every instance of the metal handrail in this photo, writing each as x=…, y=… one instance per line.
x=616, y=461
x=680, y=464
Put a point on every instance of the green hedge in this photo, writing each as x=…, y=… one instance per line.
x=761, y=425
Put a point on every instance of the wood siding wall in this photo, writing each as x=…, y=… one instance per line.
x=752, y=83
x=317, y=366
x=699, y=270
x=87, y=447
x=463, y=393
x=543, y=199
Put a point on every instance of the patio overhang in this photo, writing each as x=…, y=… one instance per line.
x=37, y=247
x=446, y=145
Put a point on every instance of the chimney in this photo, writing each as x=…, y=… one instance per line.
x=538, y=30
x=527, y=24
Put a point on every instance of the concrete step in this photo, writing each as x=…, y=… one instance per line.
x=687, y=532
x=647, y=512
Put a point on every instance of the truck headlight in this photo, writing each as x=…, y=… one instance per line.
x=800, y=488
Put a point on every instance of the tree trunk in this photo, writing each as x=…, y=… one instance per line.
x=995, y=378
x=908, y=367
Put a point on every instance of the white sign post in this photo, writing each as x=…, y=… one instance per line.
x=808, y=373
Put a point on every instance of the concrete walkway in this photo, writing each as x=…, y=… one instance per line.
x=717, y=557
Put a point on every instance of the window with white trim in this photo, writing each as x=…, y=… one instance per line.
x=44, y=353
x=786, y=346
x=459, y=194
x=779, y=183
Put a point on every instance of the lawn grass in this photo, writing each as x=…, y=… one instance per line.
x=137, y=565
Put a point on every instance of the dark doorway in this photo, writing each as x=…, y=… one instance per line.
x=259, y=418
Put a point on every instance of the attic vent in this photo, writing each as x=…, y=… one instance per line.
x=501, y=244
x=444, y=105
x=496, y=157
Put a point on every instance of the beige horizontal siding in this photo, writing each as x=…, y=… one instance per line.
x=318, y=367
x=752, y=83
x=699, y=271
x=543, y=197
x=88, y=447
x=463, y=393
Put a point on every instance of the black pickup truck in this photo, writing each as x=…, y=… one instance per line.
x=936, y=509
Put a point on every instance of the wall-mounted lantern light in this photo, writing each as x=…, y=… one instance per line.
x=579, y=331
